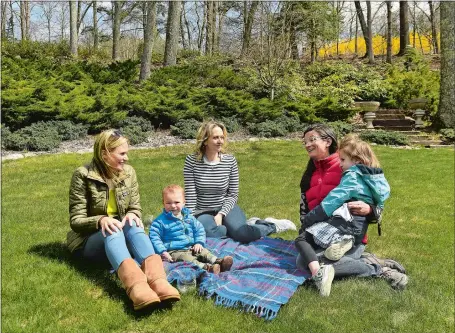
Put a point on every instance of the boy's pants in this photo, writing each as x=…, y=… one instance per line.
x=205, y=256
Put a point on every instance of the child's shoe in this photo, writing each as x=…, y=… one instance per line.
x=225, y=263
x=323, y=279
x=215, y=268
x=337, y=250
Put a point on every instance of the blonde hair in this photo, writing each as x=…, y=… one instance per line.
x=106, y=142
x=203, y=134
x=358, y=151
x=173, y=188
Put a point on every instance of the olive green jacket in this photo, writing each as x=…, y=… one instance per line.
x=88, y=199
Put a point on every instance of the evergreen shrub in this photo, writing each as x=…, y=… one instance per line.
x=186, y=128
x=448, y=135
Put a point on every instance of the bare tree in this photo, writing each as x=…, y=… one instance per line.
x=4, y=7
x=446, y=111
x=248, y=17
x=116, y=21
x=172, y=33
x=370, y=51
x=404, y=27
x=389, y=32
x=209, y=13
x=47, y=13
x=73, y=28
x=95, y=27
x=364, y=27
x=431, y=16
x=25, y=19
x=150, y=23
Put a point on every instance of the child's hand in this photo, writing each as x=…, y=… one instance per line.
x=197, y=248
x=166, y=256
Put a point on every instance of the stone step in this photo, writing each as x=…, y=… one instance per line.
x=425, y=142
x=440, y=146
x=385, y=116
x=393, y=122
x=394, y=128
x=389, y=111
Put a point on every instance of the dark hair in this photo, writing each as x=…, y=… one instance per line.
x=325, y=132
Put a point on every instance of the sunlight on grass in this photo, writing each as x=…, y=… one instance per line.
x=44, y=290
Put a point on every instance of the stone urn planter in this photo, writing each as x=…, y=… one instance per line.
x=369, y=107
x=418, y=104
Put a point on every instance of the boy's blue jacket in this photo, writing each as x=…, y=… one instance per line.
x=168, y=232
x=359, y=182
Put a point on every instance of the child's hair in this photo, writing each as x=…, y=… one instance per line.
x=359, y=151
x=173, y=188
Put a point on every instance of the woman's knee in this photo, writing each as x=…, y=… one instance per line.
x=245, y=234
x=217, y=231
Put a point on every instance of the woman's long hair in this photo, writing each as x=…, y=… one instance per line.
x=204, y=132
x=106, y=142
x=324, y=132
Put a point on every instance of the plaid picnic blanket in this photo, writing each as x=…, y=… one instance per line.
x=263, y=277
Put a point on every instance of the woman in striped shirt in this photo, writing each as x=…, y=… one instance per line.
x=212, y=189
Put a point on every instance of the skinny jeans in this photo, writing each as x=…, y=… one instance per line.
x=130, y=242
x=234, y=226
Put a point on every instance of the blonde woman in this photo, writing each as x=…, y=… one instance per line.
x=212, y=189
x=106, y=225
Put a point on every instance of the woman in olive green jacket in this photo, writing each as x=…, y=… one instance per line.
x=105, y=220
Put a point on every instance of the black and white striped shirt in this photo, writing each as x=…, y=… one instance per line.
x=211, y=186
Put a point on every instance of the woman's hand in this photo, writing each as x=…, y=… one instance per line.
x=132, y=218
x=166, y=256
x=218, y=219
x=359, y=208
x=197, y=248
x=110, y=225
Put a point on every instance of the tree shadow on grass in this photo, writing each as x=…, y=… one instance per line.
x=99, y=274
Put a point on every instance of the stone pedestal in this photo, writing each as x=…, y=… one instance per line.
x=418, y=114
x=369, y=117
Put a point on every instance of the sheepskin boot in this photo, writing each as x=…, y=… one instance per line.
x=153, y=268
x=135, y=283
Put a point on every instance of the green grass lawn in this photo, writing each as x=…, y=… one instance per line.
x=44, y=290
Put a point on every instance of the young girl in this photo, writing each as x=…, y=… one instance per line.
x=330, y=225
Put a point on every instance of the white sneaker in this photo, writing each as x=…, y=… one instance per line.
x=281, y=225
x=337, y=250
x=323, y=279
x=252, y=220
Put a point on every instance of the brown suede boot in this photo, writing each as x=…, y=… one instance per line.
x=156, y=278
x=225, y=263
x=136, y=286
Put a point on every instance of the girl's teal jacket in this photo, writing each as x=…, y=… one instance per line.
x=359, y=182
x=168, y=232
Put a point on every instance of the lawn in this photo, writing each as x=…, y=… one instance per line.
x=44, y=290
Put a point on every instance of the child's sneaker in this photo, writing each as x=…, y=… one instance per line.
x=215, y=268
x=225, y=263
x=396, y=279
x=323, y=279
x=337, y=250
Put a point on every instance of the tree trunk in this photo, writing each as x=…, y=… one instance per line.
x=364, y=26
x=187, y=27
x=150, y=10
x=446, y=111
x=73, y=28
x=172, y=33
x=182, y=28
x=208, y=27
x=116, y=21
x=356, y=41
x=248, y=18
x=434, y=33
x=95, y=27
x=214, y=28
x=4, y=6
x=25, y=19
x=201, y=27
x=370, y=34
x=414, y=25
x=404, y=27
x=389, y=32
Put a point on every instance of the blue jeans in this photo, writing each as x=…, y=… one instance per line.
x=234, y=226
x=349, y=265
x=130, y=242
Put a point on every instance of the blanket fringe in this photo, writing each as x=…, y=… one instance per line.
x=259, y=311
